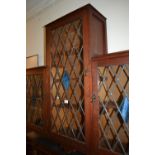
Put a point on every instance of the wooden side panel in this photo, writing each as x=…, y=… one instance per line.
x=94, y=43
x=87, y=80
x=98, y=36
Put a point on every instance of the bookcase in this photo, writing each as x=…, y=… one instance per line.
x=80, y=92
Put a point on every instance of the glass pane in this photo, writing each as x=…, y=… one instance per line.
x=113, y=93
x=34, y=99
x=67, y=81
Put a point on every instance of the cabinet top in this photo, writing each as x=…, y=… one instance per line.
x=81, y=12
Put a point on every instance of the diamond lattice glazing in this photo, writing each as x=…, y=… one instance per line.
x=113, y=91
x=67, y=84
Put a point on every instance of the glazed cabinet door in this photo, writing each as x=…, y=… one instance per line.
x=35, y=104
x=111, y=107
x=66, y=69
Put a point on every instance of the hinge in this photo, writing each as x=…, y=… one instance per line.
x=93, y=98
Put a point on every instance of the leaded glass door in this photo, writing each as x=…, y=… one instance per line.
x=67, y=81
x=111, y=87
x=35, y=99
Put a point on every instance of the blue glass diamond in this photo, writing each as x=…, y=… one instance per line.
x=124, y=108
x=66, y=80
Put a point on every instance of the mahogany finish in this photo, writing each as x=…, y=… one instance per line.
x=108, y=59
x=39, y=71
x=94, y=44
x=94, y=54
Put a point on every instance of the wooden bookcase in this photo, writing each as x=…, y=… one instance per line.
x=73, y=110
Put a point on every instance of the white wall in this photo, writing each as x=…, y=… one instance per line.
x=116, y=12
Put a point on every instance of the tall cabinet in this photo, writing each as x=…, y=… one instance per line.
x=71, y=43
